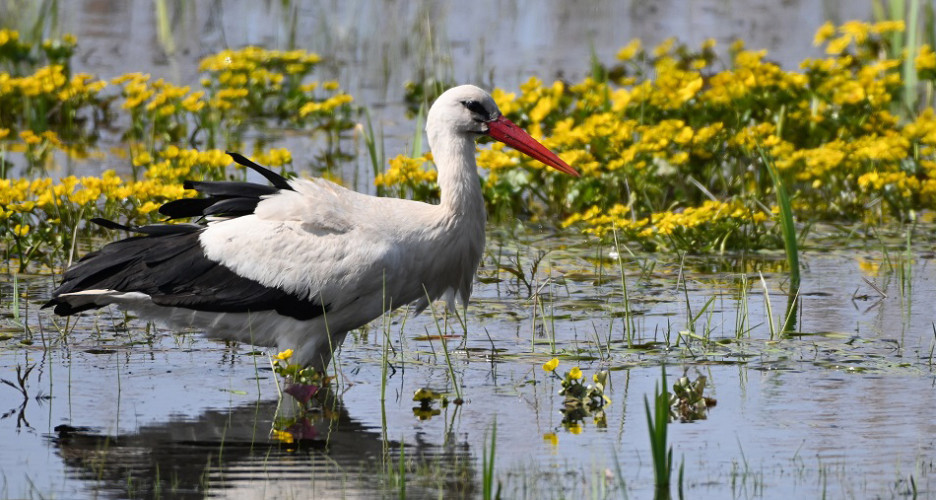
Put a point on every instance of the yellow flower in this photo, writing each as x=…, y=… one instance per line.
x=148, y=207
x=29, y=137
x=282, y=436
x=194, y=102
x=575, y=373
x=868, y=266
x=664, y=48
x=925, y=59
x=889, y=26
x=551, y=364
x=629, y=51
x=405, y=170
x=857, y=29
x=838, y=45
x=21, y=230
x=824, y=33
x=551, y=438
x=284, y=355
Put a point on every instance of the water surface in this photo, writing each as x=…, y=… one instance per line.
x=841, y=409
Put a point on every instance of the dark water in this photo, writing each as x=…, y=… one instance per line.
x=843, y=410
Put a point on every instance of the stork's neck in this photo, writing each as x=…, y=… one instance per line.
x=459, y=185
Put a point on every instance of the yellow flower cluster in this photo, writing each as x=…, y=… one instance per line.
x=703, y=227
x=279, y=157
x=42, y=198
x=6, y=36
x=46, y=98
x=253, y=83
x=853, y=32
x=160, y=98
x=666, y=128
x=925, y=61
x=10, y=44
x=49, y=108
x=175, y=165
x=251, y=58
x=43, y=204
x=327, y=106
x=51, y=81
x=406, y=171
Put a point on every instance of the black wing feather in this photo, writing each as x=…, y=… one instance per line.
x=186, y=207
x=173, y=270
x=221, y=193
x=274, y=178
x=232, y=206
x=228, y=188
x=170, y=266
x=153, y=229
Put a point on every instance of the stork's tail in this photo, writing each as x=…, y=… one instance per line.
x=125, y=270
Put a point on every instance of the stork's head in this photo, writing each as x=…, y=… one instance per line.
x=470, y=111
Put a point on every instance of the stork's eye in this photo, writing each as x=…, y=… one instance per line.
x=475, y=107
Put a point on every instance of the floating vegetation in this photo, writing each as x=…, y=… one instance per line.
x=301, y=382
x=581, y=399
x=688, y=402
x=426, y=398
x=310, y=390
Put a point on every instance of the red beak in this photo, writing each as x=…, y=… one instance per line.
x=510, y=134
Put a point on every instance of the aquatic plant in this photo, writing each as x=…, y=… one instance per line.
x=44, y=107
x=46, y=216
x=300, y=382
x=673, y=143
x=668, y=142
x=657, y=424
x=580, y=399
x=426, y=397
x=688, y=402
x=308, y=388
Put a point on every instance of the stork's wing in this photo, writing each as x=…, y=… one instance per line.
x=170, y=265
x=171, y=268
x=319, y=241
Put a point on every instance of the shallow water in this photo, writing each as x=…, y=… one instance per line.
x=842, y=409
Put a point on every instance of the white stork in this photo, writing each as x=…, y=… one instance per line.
x=300, y=263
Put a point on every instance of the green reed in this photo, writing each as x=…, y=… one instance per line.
x=657, y=423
